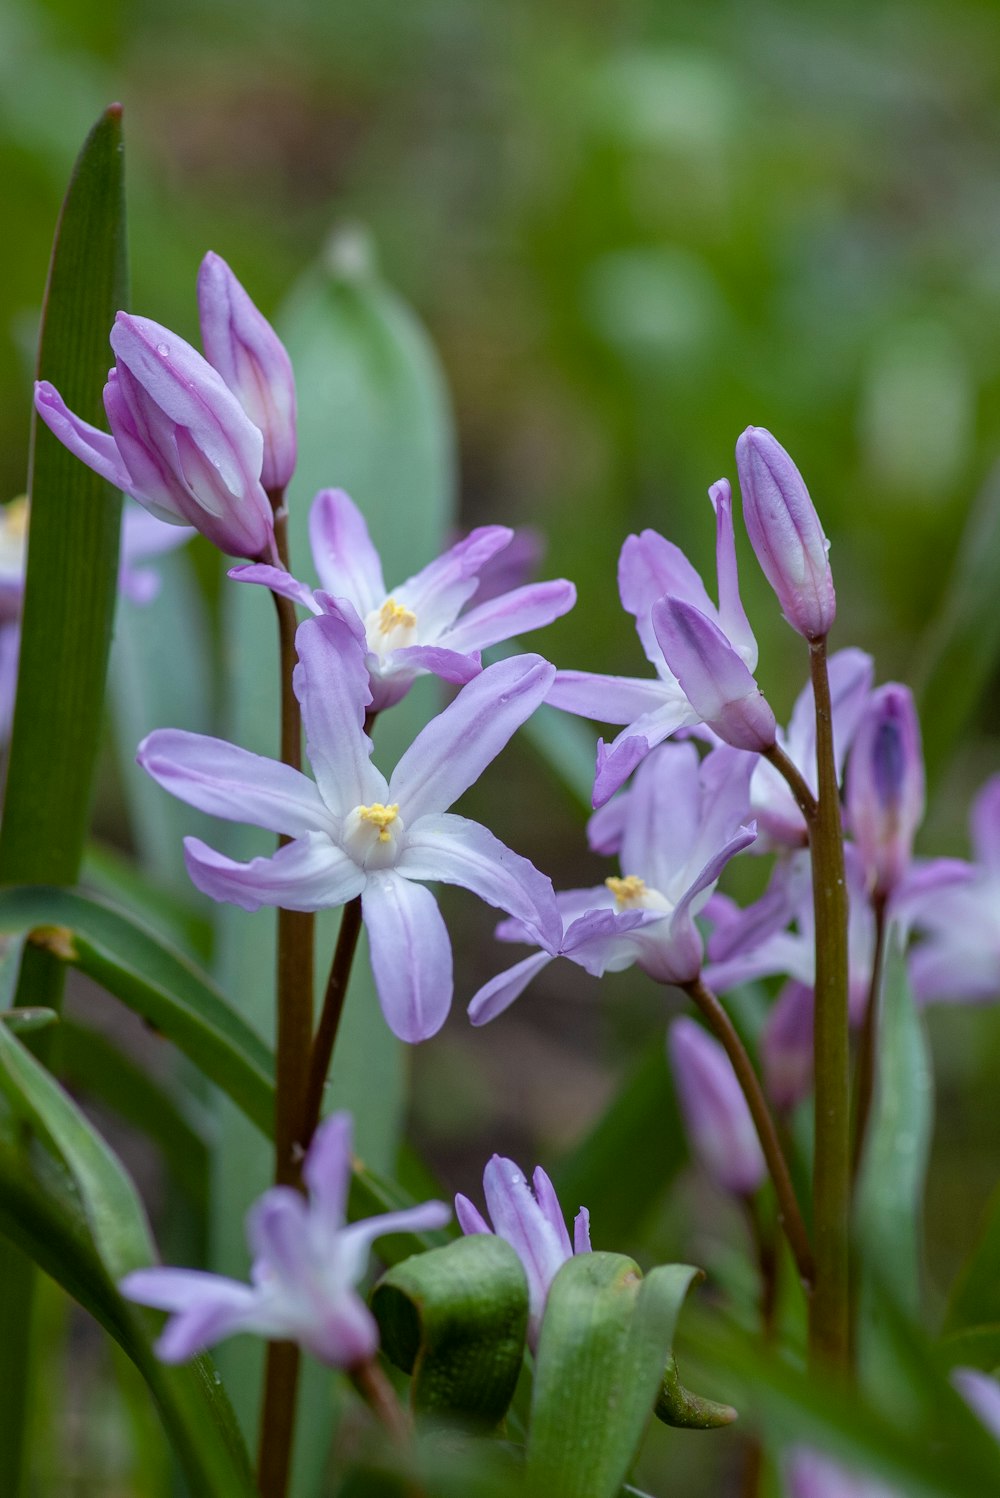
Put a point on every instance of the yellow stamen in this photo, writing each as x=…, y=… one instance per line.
x=627, y=891
x=393, y=615
x=380, y=816
x=14, y=517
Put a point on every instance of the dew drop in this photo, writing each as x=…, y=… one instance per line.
x=162, y=349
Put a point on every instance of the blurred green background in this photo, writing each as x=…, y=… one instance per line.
x=631, y=229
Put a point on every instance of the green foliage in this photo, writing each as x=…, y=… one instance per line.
x=455, y=1319
x=606, y=1335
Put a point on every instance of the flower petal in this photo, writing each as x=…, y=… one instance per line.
x=500, y=992
x=326, y=1171
x=449, y=665
x=454, y=749
x=278, y=580
x=445, y=847
x=97, y=449
x=307, y=874
x=516, y=1216
x=650, y=566
x=470, y=1219
x=986, y=825
x=410, y=955
x=581, y=1232
x=617, y=760
x=226, y=781
x=438, y=591
x=206, y=1308
x=608, y=699
x=345, y=559
x=331, y=683
x=545, y=1195
x=355, y=1241
x=517, y=612
x=278, y=1233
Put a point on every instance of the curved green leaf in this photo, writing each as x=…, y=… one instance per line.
x=159, y=984
x=456, y=1318
x=678, y=1406
x=606, y=1336
x=87, y=1240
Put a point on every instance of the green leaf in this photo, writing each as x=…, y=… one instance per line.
x=157, y=983
x=87, y=1241
x=961, y=645
x=678, y=1406
x=613, y=1171
x=455, y=1319
x=975, y=1294
x=23, y=1021
x=606, y=1336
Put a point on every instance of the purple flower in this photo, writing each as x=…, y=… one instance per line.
x=810, y=1474
x=418, y=626
x=649, y=569
x=982, y=1394
x=354, y=833
x=779, y=819
x=959, y=962
x=713, y=677
x=532, y=1223
x=306, y=1263
x=786, y=1045
x=180, y=443
x=677, y=827
x=718, y=1122
x=885, y=786
x=240, y=343
x=785, y=532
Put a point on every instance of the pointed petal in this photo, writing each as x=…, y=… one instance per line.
x=97, y=449
x=345, y=1336
x=278, y=580
x=326, y=1171
x=514, y=613
x=617, y=760
x=545, y=1195
x=331, y=683
x=732, y=616
x=661, y=819
x=649, y=567
x=355, y=1241
x=225, y=781
x=500, y=992
x=516, y=1216
x=581, y=1232
x=438, y=591
x=307, y=874
x=445, y=847
x=410, y=955
x=608, y=699
x=713, y=677
x=346, y=562
x=606, y=826
x=454, y=749
x=449, y=664
x=278, y=1233
x=206, y=1308
x=470, y=1219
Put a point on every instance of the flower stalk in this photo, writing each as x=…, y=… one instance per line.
x=829, y=1328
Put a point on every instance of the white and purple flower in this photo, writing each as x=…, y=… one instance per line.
x=418, y=626
x=531, y=1220
x=306, y=1264
x=355, y=833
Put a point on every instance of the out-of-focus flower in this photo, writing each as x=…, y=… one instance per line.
x=306, y=1263
x=885, y=786
x=677, y=827
x=982, y=1394
x=810, y=1474
x=649, y=569
x=959, y=962
x=785, y=532
x=354, y=833
x=418, y=626
x=532, y=1223
x=779, y=819
x=240, y=343
x=786, y=1045
x=181, y=442
x=142, y=537
x=718, y=1122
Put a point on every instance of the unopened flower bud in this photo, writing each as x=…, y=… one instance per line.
x=885, y=786
x=718, y=1122
x=713, y=677
x=787, y=1045
x=241, y=344
x=785, y=532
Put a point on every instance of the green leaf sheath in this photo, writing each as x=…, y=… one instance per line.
x=606, y=1337
x=455, y=1318
x=67, y=615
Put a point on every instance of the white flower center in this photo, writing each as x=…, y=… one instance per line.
x=633, y=893
x=372, y=833
x=391, y=627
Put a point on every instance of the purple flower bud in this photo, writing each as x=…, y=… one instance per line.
x=713, y=677
x=180, y=443
x=785, y=533
x=718, y=1122
x=787, y=1045
x=885, y=786
x=810, y=1474
x=241, y=344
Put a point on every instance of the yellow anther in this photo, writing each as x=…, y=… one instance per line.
x=380, y=816
x=393, y=615
x=627, y=891
x=14, y=518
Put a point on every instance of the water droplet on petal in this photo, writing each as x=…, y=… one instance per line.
x=162, y=349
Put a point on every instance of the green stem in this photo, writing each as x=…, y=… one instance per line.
x=329, y=1023
x=864, y=1075
x=804, y=798
x=829, y=1321
x=789, y=1214
x=293, y=1044
x=380, y=1397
